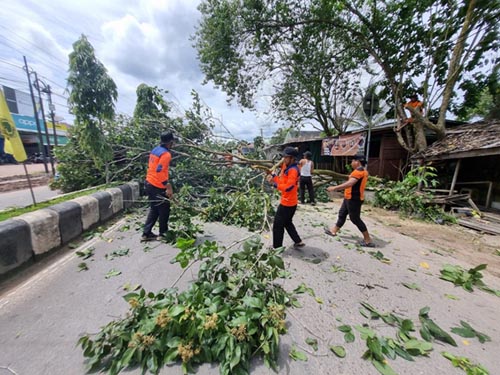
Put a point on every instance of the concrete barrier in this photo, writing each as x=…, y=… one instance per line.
x=27, y=236
x=90, y=211
x=105, y=205
x=44, y=228
x=116, y=199
x=15, y=245
x=136, y=190
x=70, y=220
x=127, y=195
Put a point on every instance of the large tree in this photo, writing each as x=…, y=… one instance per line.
x=426, y=46
x=92, y=100
x=311, y=78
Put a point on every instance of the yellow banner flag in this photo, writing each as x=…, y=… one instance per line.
x=13, y=143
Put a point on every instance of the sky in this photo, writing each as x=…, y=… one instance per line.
x=142, y=41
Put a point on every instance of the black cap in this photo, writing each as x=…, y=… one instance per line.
x=290, y=151
x=308, y=153
x=167, y=137
x=360, y=158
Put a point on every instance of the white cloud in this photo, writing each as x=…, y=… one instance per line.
x=143, y=41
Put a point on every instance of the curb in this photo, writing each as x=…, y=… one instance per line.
x=26, y=237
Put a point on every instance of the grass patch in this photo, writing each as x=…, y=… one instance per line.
x=13, y=212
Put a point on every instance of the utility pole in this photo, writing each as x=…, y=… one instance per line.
x=37, y=86
x=41, y=148
x=47, y=90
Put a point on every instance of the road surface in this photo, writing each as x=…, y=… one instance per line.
x=23, y=198
x=42, y=314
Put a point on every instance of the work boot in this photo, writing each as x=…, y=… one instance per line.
x=149, y=237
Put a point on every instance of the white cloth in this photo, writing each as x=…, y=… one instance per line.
x=305, y=171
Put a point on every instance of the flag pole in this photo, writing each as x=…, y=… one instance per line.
x=29, y=183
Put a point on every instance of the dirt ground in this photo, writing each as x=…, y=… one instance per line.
x=462, y=243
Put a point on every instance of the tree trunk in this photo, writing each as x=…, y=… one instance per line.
x=420, y=140
x=455, y=68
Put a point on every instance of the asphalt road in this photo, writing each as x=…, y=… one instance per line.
x=44, y=311
x=23, y=198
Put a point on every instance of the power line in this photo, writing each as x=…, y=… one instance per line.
x=31, y=43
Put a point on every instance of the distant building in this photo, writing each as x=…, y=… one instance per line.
x=21, y=108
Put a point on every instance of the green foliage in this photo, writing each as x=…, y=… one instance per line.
x=183, y=211
x=465, y=364
x=232, y=312
x=313, y=50
x=241, y=208
x=406, y=197
x=430, y=330
x=467, y=279
x=91, y=100
x=76, y=171
x=467, y=331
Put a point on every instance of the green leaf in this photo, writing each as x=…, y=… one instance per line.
x=365, y=332
x=85, y=254
x=464, y=332
x=383, y=368
x=451, y=296
x=112, y=273
x=254, y=302
x=403, y=353
x=349, y=337
x=421, y=346
x=127, y=356
x=303, y=288
x=312, y=342
x=339, y=351
x=465, y=364
x=83, y=266
x=177, y=310
x=425, y=333
x=407, y=325
x=297, y=355
x=412, y=286
x=117, y=253
x=437, y=332
x=467, y=331
x=236, y=357
x=344, y=328
x=424, y=311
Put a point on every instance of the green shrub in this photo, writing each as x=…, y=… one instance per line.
x=406, y=197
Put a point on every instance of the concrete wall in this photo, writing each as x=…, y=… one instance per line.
x=25, y=237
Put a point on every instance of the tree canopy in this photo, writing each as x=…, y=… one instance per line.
x=304, y=50
x=92, y=100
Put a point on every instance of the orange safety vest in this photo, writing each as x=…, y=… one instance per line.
x=357, y=191
x=159, y=161
x=417, y=105
x=288, y=183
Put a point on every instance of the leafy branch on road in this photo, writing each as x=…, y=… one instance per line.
x=231, y=313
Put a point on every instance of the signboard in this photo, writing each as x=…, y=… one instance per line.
x=345, y=145
x=21, y=109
